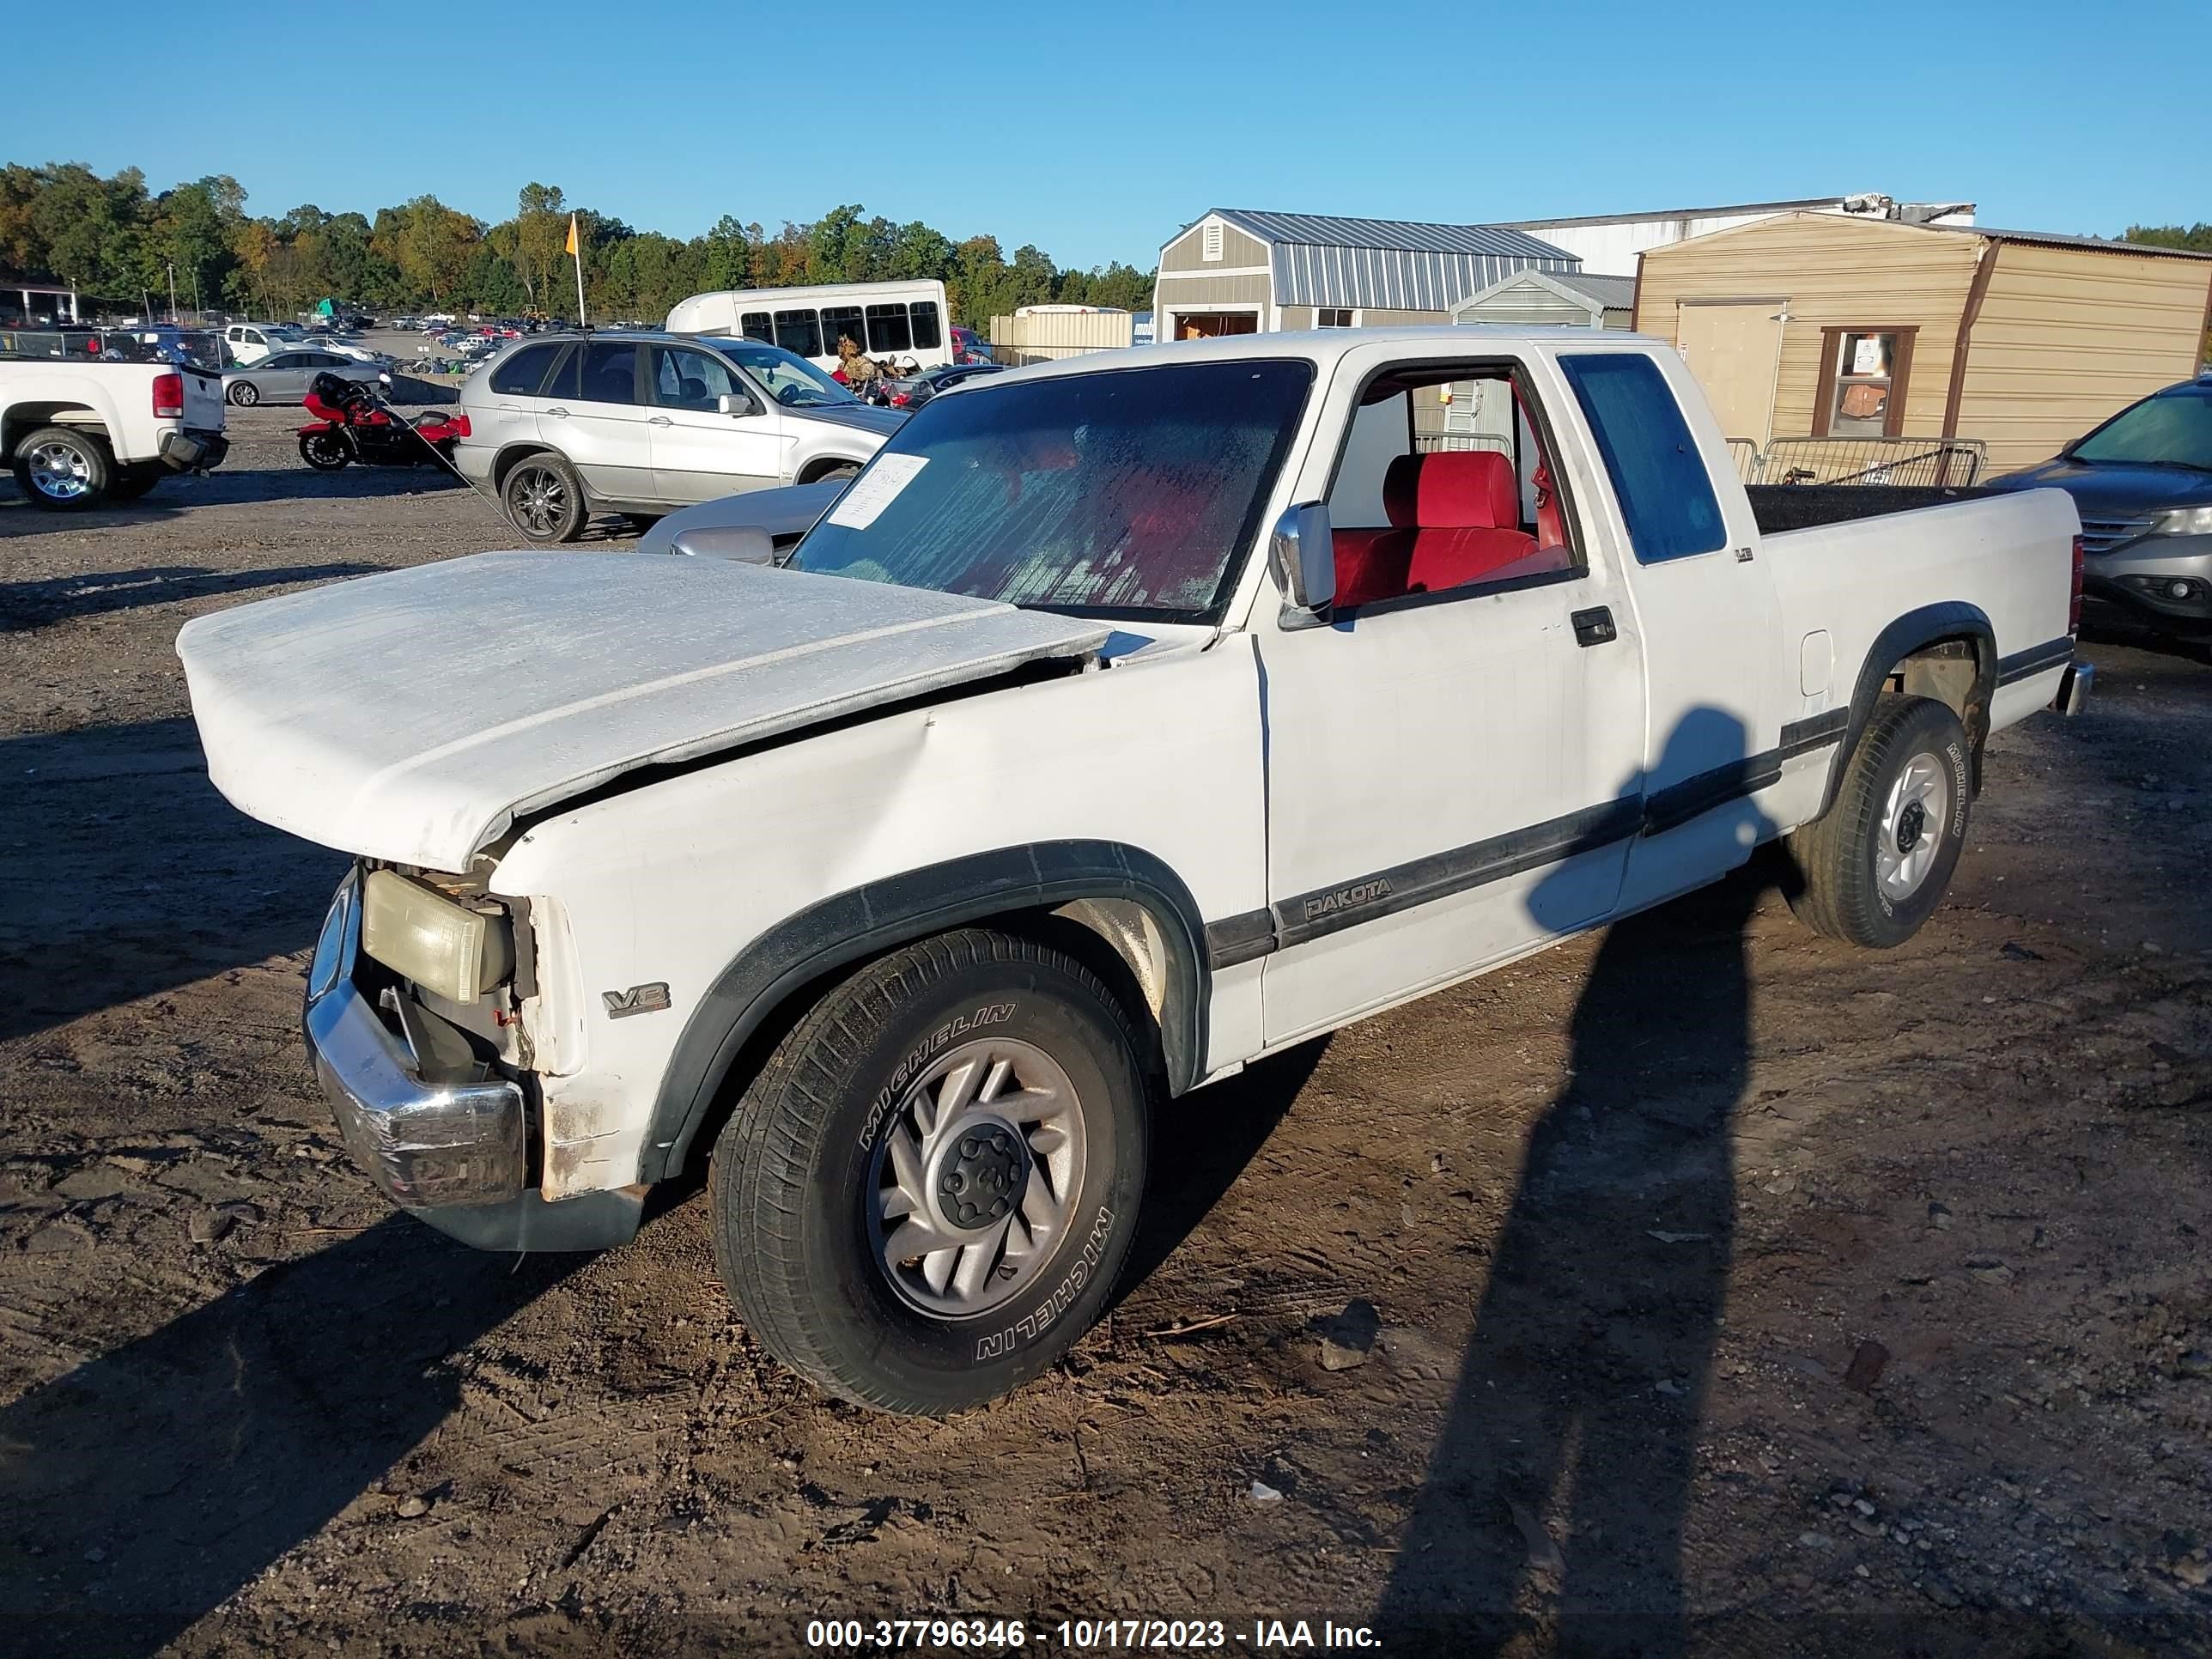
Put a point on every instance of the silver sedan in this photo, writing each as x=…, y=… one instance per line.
x=283, y=377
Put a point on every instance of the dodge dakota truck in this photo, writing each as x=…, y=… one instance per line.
x=1128, y=719
x=77, y=431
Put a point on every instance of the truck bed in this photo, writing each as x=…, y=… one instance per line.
x=1801, y=507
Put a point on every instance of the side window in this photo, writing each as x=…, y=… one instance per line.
x=927, y=335
x=609, y=372
x=758, y=326
x=1442, y=486
x=840, y=322
x=521, y=375
x=888, y=329
x=1658, y=476
x=798, y=331
x=691, y=379
x=283, y=359
x=564, y=378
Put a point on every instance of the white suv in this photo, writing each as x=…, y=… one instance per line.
x=641, y=424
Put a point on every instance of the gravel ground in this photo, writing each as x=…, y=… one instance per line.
x=1705, y=1285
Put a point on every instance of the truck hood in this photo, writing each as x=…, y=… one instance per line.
x=414, y=715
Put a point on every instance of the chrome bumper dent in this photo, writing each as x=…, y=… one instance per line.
x=428, y=1143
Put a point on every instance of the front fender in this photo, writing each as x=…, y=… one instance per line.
x=867, y=921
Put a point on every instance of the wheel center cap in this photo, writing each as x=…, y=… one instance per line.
x=980, y=1174
x=1910, y=824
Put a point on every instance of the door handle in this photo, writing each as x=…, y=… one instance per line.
x=1594, y=626
x=659, y=420
x=557, y=411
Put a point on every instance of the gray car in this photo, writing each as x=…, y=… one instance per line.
x=642, y=423
x=723, y=529
x=283, y=377
x=2143, y=484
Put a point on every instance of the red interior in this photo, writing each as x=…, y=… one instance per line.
x=1455, y=517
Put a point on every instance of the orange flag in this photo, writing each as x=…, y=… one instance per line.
x=572, y=234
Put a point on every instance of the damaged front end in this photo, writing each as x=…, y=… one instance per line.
x=413, y=1025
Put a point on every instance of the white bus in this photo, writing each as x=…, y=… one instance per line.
x=888, y=319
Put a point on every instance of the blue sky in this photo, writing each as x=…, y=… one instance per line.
x=1095, y=135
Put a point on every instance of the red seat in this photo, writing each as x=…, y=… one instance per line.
x=1455, y=517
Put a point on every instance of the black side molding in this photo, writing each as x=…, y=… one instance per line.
x=865, y=921
x=2036, y=660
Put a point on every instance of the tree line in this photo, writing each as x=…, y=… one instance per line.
x=115, y=238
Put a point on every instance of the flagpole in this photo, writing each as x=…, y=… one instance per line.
x=577, y=248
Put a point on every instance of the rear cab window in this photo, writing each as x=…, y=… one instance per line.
x=1658, y=474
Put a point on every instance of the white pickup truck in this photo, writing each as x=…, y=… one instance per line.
x=1128, y=719
x=77, y=431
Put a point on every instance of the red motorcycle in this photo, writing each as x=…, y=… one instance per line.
x=350, y=426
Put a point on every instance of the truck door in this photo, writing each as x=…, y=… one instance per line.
x=1454, y=762
x=1705, y=609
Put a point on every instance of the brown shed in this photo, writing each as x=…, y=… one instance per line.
x=1813, y=325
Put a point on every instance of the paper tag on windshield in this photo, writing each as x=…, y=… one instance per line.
x=875, y=489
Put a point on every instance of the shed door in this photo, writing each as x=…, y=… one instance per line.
x=1732, y=347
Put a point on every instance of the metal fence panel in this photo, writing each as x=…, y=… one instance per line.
x=1955, y=462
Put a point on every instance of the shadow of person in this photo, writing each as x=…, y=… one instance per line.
x=1580, y=1398
x=148, y=1484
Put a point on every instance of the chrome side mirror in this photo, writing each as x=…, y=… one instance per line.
x=1303, y=556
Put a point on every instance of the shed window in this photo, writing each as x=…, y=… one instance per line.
x=1862, y=382
x=1333, y=317
x=1209, y=241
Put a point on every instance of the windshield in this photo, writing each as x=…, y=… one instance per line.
x=1122, y=493
x=790, y=379
x=2170, y=430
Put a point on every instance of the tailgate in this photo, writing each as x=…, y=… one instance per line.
x=203, y=399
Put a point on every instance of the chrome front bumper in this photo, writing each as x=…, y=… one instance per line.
x=428, y=1143
x=454, y=1153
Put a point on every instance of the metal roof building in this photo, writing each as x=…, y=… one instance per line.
x=1237, y=271
x=1539, y=298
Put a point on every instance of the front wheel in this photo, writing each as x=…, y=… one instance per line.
x=1875, y=866
x=245, y=393
x=323, y=451
x=840, y=472
x=923, y=1198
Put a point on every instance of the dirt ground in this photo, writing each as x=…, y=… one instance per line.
x=1706, y=1287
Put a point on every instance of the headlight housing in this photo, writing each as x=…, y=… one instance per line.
x=2183, y=521
x=448, y=948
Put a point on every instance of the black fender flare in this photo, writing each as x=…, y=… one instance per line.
x=865, y=921
x=1952, y=619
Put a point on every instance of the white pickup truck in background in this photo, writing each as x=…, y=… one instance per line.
x=77, y=431
x=1127, y=719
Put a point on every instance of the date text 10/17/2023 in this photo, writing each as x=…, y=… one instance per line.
x=1085, y=1635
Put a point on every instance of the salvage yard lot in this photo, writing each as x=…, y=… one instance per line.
x=1831, y=1303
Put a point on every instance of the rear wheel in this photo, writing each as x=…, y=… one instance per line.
x=544, y=498
x=63, y=470
x=922, y=1199
x=245, y=393
x=1875, y=866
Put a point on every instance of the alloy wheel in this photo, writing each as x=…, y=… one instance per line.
x=1912, y=820
x=59, y=471
x=975, y=1180
x=539, y=499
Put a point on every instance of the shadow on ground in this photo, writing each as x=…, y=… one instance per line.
x=167, y=883
x=148, y=1486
